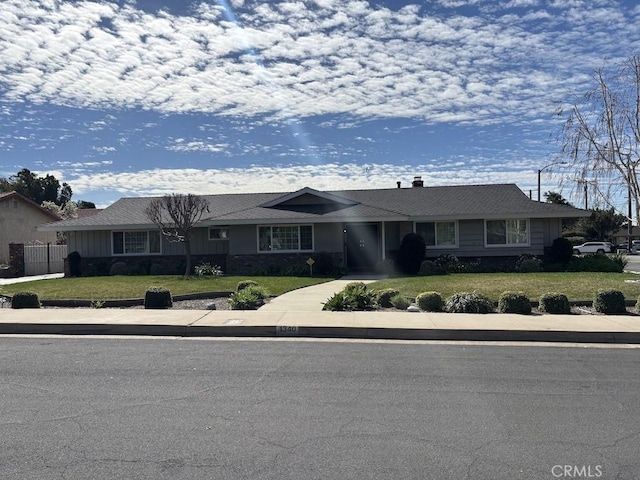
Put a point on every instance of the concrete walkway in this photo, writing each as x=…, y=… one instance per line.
x=8, y=281
x=311, y=299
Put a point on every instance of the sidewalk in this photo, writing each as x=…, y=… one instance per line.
x=387, y=325
x=299, y=314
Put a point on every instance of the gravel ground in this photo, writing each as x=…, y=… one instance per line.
x=199, y=304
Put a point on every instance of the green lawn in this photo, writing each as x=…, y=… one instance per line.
x=123, y=287
x=576, y=286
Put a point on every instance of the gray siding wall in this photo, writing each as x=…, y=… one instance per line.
x=243, y=239
x=90, y=244
x=329, y=238
x=98, y=244
x=471, y=240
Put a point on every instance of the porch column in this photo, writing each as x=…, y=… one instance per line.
x=384, y=242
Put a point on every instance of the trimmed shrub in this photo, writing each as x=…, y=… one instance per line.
x=428, y=268
x=207, y=270
x=621, y=260
x=430, y=301
x=514, y=302
x=595, y=263
x=609, y=302
x=530, y=265
x=561, y=250
x=119, y=268
x=554, y=303
x=384, y=297
x=400, y=302
x=466, y=302
x=157, y=298
x=75, y=262
x=245, y=284
x=447, y=263
x=25, y=300
x=251, y=297
x=411, y=253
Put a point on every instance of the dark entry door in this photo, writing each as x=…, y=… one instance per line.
x=362, y=246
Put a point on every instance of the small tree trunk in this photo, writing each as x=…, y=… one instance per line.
x=187, y=253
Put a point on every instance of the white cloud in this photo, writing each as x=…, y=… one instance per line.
x=180, y=145
x=295, y=59
x=326, y=176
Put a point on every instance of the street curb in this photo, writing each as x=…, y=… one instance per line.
x=323, y=332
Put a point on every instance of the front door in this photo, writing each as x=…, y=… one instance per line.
x=362, y=242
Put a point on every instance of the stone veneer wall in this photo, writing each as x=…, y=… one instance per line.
x=260, y=262
x=144, y=265
x=174, y=264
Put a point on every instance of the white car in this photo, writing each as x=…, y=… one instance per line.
x=593, y=247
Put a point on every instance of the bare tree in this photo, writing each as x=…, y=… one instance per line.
x=176, y=215
x=601, y=136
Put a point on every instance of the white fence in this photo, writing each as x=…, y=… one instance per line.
x=41, y=259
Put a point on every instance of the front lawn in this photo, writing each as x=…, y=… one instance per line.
x=123, y=287
x=576, y=286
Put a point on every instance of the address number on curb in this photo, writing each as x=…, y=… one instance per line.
x=286, y=330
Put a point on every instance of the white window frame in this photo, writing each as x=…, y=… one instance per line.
x=507, y=244
x=258, y=227
x=147, y=252
x=221, y=238
x=442, y=247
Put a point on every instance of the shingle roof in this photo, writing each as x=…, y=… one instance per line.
x=31, y=203
x=456, y=202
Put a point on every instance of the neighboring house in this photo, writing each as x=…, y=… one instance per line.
x=243, y=232
x=19, y=219
x=622, y=235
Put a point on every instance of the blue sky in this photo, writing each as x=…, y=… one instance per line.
x=129, y=98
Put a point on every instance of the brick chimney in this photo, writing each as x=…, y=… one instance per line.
x=417, y=182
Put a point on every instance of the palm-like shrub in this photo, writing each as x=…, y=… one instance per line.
x=251, y=297
x=354, y=296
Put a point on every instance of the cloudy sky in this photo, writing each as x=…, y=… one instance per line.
x=146, y=97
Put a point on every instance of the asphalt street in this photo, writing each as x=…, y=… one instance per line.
x=240, y=409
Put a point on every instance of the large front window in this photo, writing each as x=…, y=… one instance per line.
x=136, y=243
x=438, y=234
x=507, y=232
x=285, y=238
